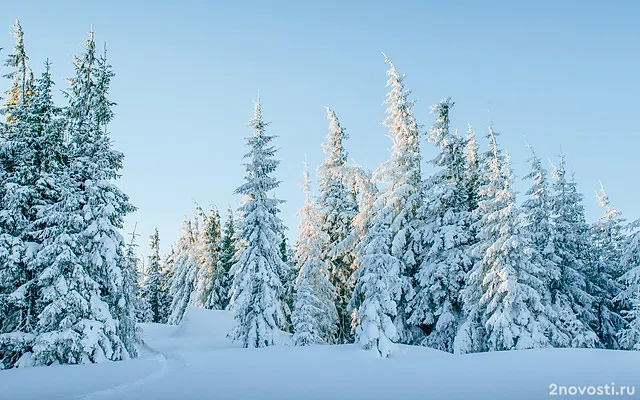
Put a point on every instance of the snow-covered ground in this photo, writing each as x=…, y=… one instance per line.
x=196, y=361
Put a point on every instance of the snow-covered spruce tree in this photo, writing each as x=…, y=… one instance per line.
x=257, y=289
x=400, y=197
x=314, y=314
x=185, y=273
x=629, y=297
x=338, y=207
x=21, y=74
x=537, y=218
x=212, y=280
x=365, y=193
x=288, y=281
x=605, y=271
x=510, y=304
x=130, y=290
x=629, y=337
x=570, y=234
x=630, y=264
x=204, y=273
x=227, y=252
x=153, y=282
x=377, y=290
x=86, y=316
x=166, y=271
x=447, y=219
x=30, y=153
x=143, y=309
x=15, y=191
x=472, y=168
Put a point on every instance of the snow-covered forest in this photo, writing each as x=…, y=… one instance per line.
x=456, y=261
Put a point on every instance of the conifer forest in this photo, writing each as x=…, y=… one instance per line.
x=450, y=258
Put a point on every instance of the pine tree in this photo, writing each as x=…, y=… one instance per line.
x=304, y=316
x=472, y=169
x=441, y=275
x=605, y=272
x=630, y=336
x=227, y=252
x=629, y=296
x=30, y=154
x=314, y=314
x=570, y=236
x=86, y=313
x=213, y=279
x=377, y=291
x=17, y=192
x=537, y=218
x=537, y=215
x=128, y=322
x=365, y=194
x=337, y=206
x=399, y=202
x=185, y=273
x=153, y=281
x=21, y=75
x=257, y=290
x=511, y=301
x=166, y=271
x=143, y=308
x=289, y=280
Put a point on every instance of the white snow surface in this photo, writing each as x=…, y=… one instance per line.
x=195, y=360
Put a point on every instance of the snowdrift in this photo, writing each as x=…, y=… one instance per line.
x=195, y=360
x=198, y=323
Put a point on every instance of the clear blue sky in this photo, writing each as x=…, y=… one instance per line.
x=562, y=73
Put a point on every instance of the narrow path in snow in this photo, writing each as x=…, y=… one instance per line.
x=167, y=356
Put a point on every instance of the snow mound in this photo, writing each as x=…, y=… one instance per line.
x=203, y=323
x=213, y=326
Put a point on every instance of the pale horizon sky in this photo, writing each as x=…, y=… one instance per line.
x=562, y=74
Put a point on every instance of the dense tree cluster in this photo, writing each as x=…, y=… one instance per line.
x=450, y=260
x=67, y=284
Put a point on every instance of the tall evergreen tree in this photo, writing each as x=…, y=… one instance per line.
x=630, y=336
x=143, y=308
x=227, y=252
x=257, y=291
x=21, y=75
x=510, y=304
x=185, y=273
x=472, y=168
x=365, y=194
x=86, y=313
x=166, y=270
x=538, y=226
x=17, y=191
x=338, y=207
x=314, y=313
x=629, y=296
x=398, y=203
x=571, y=242
x=213, y=278
x=606, y=271
x=447, y=216
x=129, y=315
x=153, y=281
x=289, y=280
x=30, y=155
x=377, y=291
